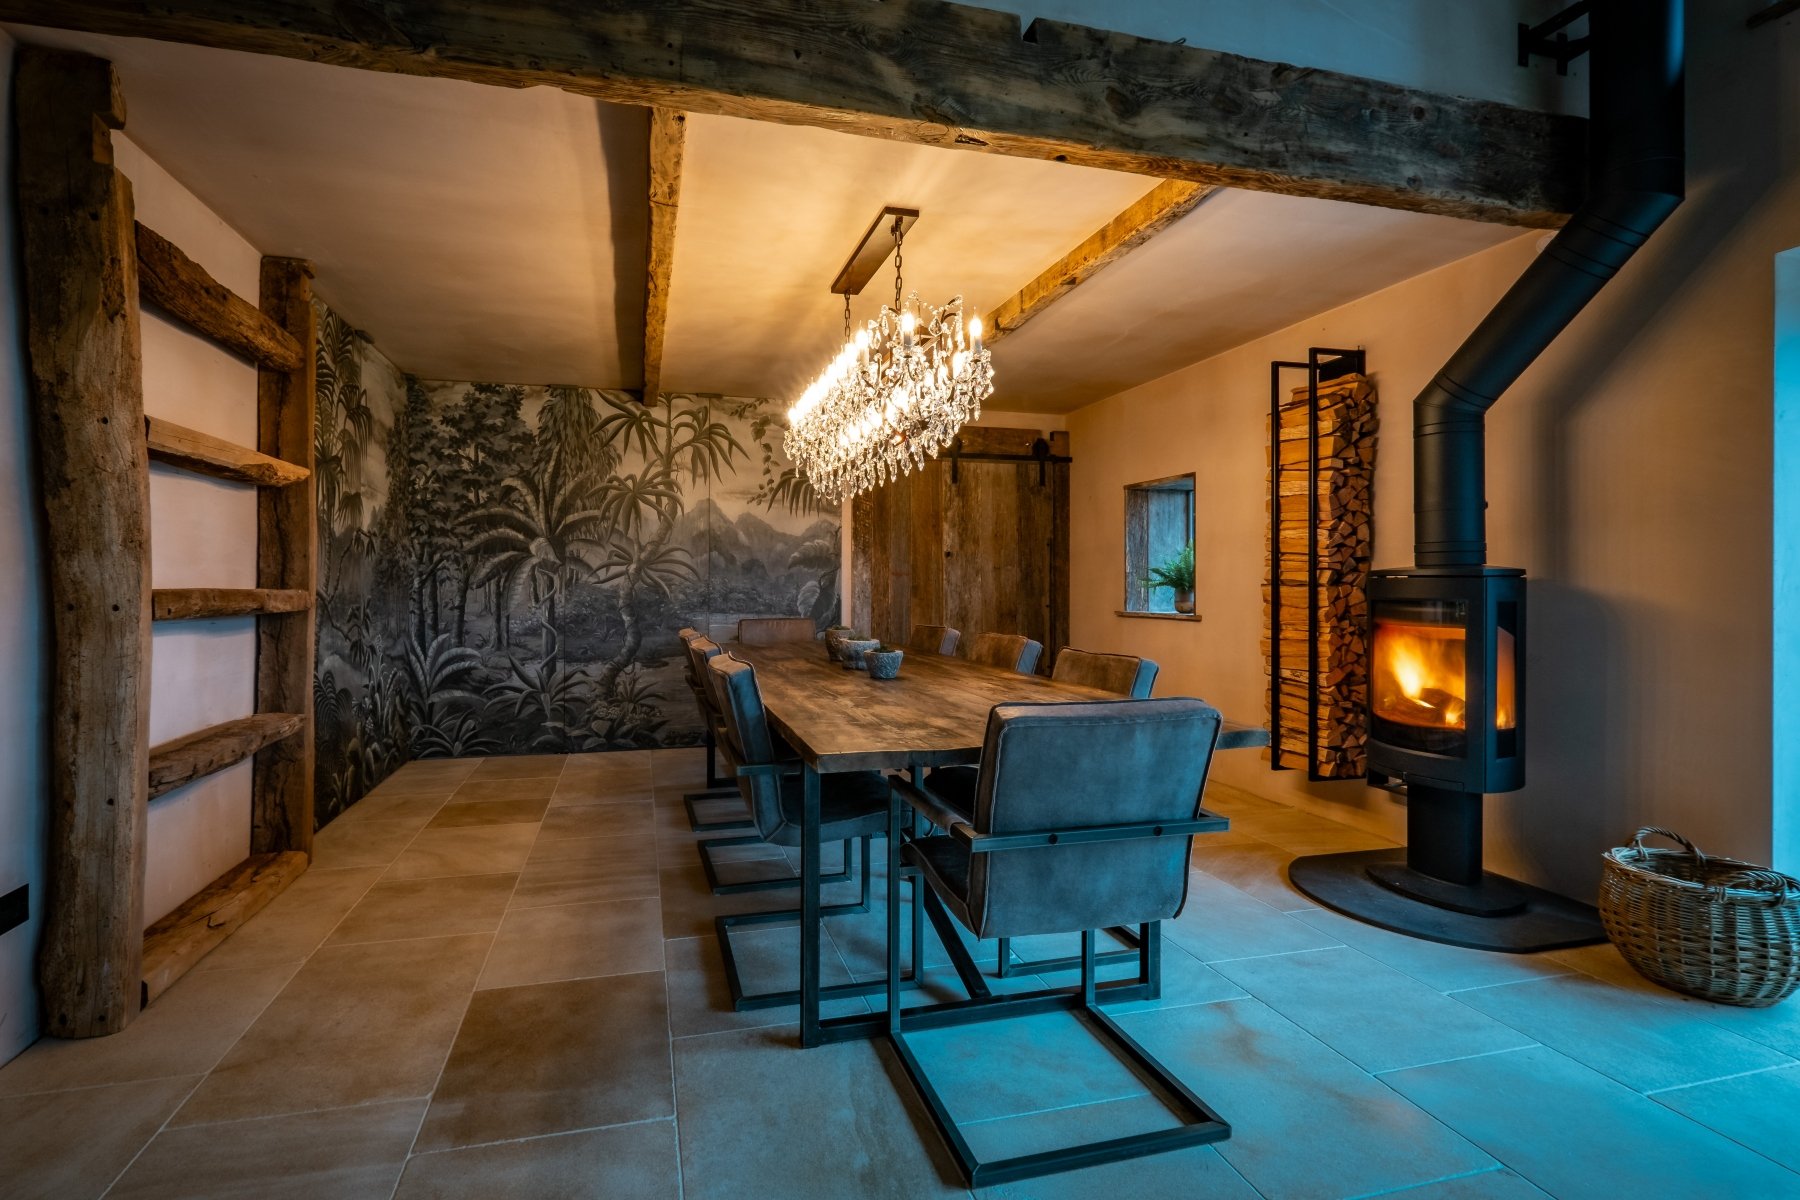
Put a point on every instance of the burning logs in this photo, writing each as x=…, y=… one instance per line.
x=1345, y=539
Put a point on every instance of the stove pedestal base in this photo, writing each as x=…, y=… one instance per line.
x=1377, y=887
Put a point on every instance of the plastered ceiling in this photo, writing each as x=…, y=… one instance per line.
x=494, y=234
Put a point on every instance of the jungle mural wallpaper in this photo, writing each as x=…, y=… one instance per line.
x=502, y=569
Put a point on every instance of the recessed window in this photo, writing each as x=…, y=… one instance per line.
x=1159, y=546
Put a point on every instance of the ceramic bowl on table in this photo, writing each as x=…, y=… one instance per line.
x=883, y=663
x=834, y=641
x=855, y=648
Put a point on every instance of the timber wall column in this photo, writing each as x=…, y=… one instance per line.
x=81, y=304
x=281, y=794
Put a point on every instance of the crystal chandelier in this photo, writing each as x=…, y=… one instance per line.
x=894, y=396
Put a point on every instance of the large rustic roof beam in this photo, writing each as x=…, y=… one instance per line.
x=668, y=131
x=1149, y=215
x=934, y=73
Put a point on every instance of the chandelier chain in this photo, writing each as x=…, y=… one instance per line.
x=899, y=258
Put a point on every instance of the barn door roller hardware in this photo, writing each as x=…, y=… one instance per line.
x=1551, y=40
x=1040, y=454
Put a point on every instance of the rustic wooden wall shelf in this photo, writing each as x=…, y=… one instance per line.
x=87, y=264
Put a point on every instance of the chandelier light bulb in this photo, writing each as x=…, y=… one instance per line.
x=893, y=398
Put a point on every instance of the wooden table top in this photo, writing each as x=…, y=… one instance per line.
x=935, y=713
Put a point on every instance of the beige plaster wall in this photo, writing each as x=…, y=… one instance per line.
x=1629, y=471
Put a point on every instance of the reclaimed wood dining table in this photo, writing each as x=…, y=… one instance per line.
x=934, y=715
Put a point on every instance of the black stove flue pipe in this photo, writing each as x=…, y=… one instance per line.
x=1636, y=170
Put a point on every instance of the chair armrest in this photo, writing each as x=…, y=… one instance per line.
x=926, y=804
x=993, y=843
x=775, y=769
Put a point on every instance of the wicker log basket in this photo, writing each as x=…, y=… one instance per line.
x=1715, y=928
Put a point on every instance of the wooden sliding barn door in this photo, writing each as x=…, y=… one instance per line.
x=980, y=545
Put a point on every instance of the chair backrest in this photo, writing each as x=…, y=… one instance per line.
x=770, y=631
x=934, y=639
x=1008, y=651
x=1065, y=766
x=699, y=650
x=747, y=734
x=688, y=633
x=1121, y=674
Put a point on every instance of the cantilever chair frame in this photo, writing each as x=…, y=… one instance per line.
x=717, y=787
x=1200, y=1123
x=742, y=1001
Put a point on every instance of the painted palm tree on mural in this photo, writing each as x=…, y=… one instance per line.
x=680, y=443
x=544, y=540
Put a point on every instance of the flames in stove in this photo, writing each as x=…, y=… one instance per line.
x=1419, y=676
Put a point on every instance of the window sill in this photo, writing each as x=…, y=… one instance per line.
x=1156, y=616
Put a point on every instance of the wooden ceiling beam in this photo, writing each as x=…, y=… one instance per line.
x=934, y=73
x=1153, y=212
x=668, y=133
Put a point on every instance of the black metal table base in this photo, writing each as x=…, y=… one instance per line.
x=1377, y=887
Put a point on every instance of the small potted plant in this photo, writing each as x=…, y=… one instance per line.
x=1177, y=574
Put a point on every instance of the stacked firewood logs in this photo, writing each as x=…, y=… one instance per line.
x=1347, y=428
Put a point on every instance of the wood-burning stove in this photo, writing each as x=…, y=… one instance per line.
x=1446, y=678
x=1447, y=667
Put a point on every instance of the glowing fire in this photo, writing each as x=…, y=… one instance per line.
x=1419, y=679
x=1419, y=674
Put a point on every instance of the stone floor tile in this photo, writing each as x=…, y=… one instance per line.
x=768, y=960
x=1221, y=922
x=575, y=870
x=1259, y=871
x=830, y=1123
x=489, y=850
x=1497, y=1184
x=294, y=923
x=519, y=766
x=463, y=814
x=688, y=905
x=554, y=1058
x=1373, y=1015
x=1021, y=1065
x=1443, y=968
x=72, y=1145
x=1637, y=1041
x=625, y=1162
x=358, y=1024
x=418, y=806
x=1197, y=1171
x=375, y=842
x=335, y=1152
x=186, y=1032
x=414, y=908
x=1760, y=1110
x=1185, y=980
x=604, y=819
x=1580, y=1136
x=1307, y=1124
x=532, y=787
x=575, y=941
